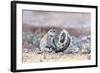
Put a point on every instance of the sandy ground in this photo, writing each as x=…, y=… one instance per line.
x=53, y=57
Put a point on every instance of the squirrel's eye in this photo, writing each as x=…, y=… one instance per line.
x=50, y=31
x=54, y=31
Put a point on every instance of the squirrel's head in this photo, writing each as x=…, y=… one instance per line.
x=52, y=32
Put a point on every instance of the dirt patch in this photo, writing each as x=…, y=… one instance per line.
x=52, y=57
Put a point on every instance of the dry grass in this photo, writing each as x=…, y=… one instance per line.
x=52, y=57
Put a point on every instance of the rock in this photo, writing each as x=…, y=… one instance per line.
x=62, y=41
